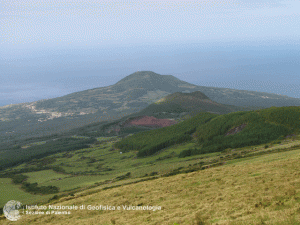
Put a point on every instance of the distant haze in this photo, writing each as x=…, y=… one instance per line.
x=52, y=49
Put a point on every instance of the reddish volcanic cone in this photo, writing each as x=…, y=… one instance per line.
x=151, y=121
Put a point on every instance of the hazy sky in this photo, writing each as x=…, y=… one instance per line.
x=51, y=48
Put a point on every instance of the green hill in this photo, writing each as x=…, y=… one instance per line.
x=190, y=103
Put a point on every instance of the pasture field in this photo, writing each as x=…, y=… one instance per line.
x=73, y=182
x=45, y=175
x=75, y=136
x=107, y=138
x=257, y=190
x=88, y=168
x=10, y=191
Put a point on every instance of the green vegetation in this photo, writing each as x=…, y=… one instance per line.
x=103, y=166
x=261, y=126
x=167, y=107
x=10, y=191
x=216, y=133
x=132, y=130
x=44, y=176
x=35, y=189
x=186, y=153
x=126, y=168
x=149, y=142
x=19, y=178
x=260, y=190
x=17, y=155
x=123, y=176
x=190, y=103
x=69, y=164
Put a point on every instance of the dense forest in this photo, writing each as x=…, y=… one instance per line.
x=261, y=126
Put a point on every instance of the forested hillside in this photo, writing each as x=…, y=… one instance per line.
x=215, y=133
x=19, y=154
x=257, y=127
x=149, y=142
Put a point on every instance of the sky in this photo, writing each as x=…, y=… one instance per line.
x=52, y=48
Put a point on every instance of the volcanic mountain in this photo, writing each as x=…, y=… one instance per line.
x=130, y=95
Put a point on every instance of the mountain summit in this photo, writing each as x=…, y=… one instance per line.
x=151, y=82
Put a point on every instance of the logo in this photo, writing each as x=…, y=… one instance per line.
x=11, y=211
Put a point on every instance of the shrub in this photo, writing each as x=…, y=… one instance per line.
x=58, y=169
x=55, y=197
x=124, y=176
x=113, y=221
x=153, y=173
x=19, y=178
x=185, y=153
x=200, y=220
x=33, y=188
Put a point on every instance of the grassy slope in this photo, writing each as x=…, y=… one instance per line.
x=10, y=191
x=104, y=164
x=256, y=190
x=188, y=102
x=79, y=162
x=86, y=161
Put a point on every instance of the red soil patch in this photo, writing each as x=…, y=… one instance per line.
x=151, y=121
